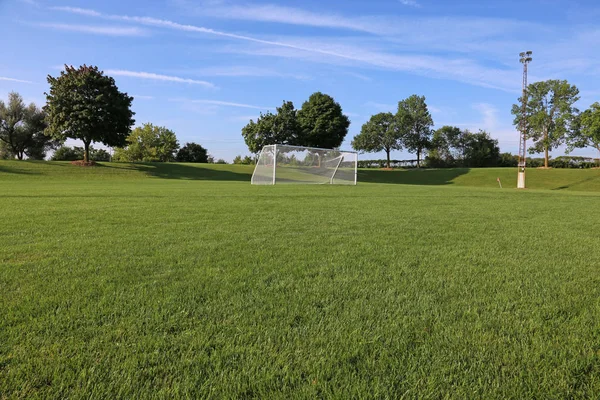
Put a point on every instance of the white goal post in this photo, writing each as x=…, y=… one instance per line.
x=281, y=163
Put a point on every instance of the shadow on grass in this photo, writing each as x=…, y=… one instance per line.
x=412, y=176
x=14, y=169
x=183, y=171
x=564, y=187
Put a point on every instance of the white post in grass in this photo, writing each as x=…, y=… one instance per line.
x=355, y=167
x=274, y=162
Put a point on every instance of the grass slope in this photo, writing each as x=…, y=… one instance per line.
x=194, y=283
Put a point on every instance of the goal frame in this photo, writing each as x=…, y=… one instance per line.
x=304, y=148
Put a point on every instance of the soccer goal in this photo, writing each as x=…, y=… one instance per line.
x=279, y=163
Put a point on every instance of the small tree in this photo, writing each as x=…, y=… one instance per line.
x=415, y=122
x=322, y=122
x=85, y=104
x=549, y=114
x=380, y=133
x=149, y=143
x=587, y=129
x=22, y=129
x=192, y=153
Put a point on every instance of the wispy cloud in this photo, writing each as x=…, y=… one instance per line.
x=244, y=71
x=230, y=104
x=142, y=97
x=97, y=30
x=157, y=77
x=4, y=78
x=410, y=3
x=220, y=103
x=349, y=53
x=77, y=10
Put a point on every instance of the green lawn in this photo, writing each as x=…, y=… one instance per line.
x=170, y=281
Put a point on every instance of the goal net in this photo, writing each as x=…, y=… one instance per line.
x=280, y=163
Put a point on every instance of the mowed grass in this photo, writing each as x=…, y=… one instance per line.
x=169, y=281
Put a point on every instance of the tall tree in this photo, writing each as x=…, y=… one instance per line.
x=85, y=104
x=322, y=122
x=587, y=129
x=149, y=143
x=415, y=122
x=22, y=129
x=279, y=128
x=549, y=114
x=192, y=153
x=380, y=133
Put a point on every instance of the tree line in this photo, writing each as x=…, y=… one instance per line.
x=550, y=119
x=85, y=104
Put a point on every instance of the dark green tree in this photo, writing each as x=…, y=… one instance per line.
x=322, y=122
x=192, y=153
x=586, y=132
x=149, y=143
x=380, y=133
x=22, y=129
x=415, y=122
x=447, y=147
x=5, y=152
x=549, y=116
x=279, y=128
x=480, y=150
x=85, y=104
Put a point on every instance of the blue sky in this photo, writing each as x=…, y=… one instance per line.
x=203, y=68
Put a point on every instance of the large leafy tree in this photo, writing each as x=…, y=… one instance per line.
x=322, y=122
x=380, y=133
x=587, y=129
x=279, y=128
x=149, y=143
x=22, y=129
x=85, y=104
x=415, y=122
x=447, y=147
x=549, y=114
x=192, y=153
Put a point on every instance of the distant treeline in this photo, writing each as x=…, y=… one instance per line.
x=505, y=160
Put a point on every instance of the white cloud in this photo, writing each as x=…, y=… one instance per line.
x=230, y=104
x=157, y=77
x=4, y=78
x=489, y=115
x=222, y=103
x=410, y=3
x=80, y=11
x=97, y=30
x=244, y=71
x=142, y=97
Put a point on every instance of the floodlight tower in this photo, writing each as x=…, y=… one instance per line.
x=525, y=60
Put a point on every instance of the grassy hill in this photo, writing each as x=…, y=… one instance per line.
x=553, y=179
x=177, y=280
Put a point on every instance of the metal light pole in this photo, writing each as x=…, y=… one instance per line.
x=525, y=60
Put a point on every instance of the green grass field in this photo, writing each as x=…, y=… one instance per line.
x=170, y=281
